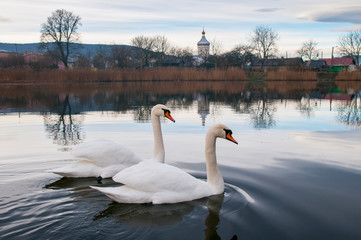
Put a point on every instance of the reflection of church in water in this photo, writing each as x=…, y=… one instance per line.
x=203, y=107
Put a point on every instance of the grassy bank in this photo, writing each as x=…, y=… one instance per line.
x=160, y=74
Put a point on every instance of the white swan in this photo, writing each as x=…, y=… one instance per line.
x=157, y=183
x=104, y=158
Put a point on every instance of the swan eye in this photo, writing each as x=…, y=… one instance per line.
x=166, y=111
x=167, y=114
x=228, y=131
x=229, y=136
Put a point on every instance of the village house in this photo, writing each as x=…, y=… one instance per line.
x=315, y=64
x=33, y=58
x=340, y=64
x=280, y=64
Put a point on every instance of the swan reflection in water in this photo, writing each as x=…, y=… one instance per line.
x=150, y=214
x=155, y=214
x=167, y=214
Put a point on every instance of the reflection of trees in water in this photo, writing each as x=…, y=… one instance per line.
x=262, y=114
x=349, y=113
x=307, y=104
x=64, y=128
x=253, y=100
x=142, y=113
x=258, y=105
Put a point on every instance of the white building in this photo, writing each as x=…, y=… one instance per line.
x=203, y=46
x=203, y=51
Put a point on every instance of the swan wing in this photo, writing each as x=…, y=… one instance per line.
x=124, y=194
x=152, y=176
x=106, y=153
x=162, y=183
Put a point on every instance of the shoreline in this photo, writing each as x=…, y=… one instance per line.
x=171, y=74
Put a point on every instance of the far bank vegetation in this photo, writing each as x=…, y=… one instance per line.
x=24, y=75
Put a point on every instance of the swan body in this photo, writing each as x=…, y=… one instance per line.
x=105, y=158
x=153, y=182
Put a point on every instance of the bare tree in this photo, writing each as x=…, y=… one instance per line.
x=100, y=59
x=83, y=61
x=161, y=44
x=350, y=45
x=216, y=47
x=308, y=49
x=185, y=54
x=60, y=33
x=146, y=46
x=121, y=56
x=162, y=47
x=13, y=60
x=240, y=55
x=143, y=42
x=264, y=39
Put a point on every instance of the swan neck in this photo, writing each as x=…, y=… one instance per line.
x=158, y=153
x=214, y=176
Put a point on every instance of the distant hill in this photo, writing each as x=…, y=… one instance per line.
x=34, y=47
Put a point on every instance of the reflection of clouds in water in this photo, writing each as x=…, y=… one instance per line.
x=329, y=146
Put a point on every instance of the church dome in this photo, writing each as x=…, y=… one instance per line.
x=203, y=40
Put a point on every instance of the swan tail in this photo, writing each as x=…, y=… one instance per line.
x=124, y=194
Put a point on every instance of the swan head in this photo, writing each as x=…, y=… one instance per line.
x=162, y=110
x=222, y=131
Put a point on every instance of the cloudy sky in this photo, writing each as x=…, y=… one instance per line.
x=228, y=21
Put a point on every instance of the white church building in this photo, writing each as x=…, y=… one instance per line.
x=203, y=50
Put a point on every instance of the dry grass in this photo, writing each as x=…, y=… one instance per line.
x=348, y=76
x=291, y=75
x=160, y=74
x=148, y=74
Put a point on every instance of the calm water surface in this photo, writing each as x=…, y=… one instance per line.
x=296, y=173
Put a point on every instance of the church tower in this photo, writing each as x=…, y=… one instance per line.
x=203, y=46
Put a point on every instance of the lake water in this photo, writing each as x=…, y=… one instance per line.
x=295, y=174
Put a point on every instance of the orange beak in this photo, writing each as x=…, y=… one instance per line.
x=230, y=138
x=167, y=115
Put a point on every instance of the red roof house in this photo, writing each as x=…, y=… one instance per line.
x=345, y=61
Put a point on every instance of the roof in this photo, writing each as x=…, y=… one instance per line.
x=345, y=61
x=273, y=62
x=203, y=41
x=315, y=63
